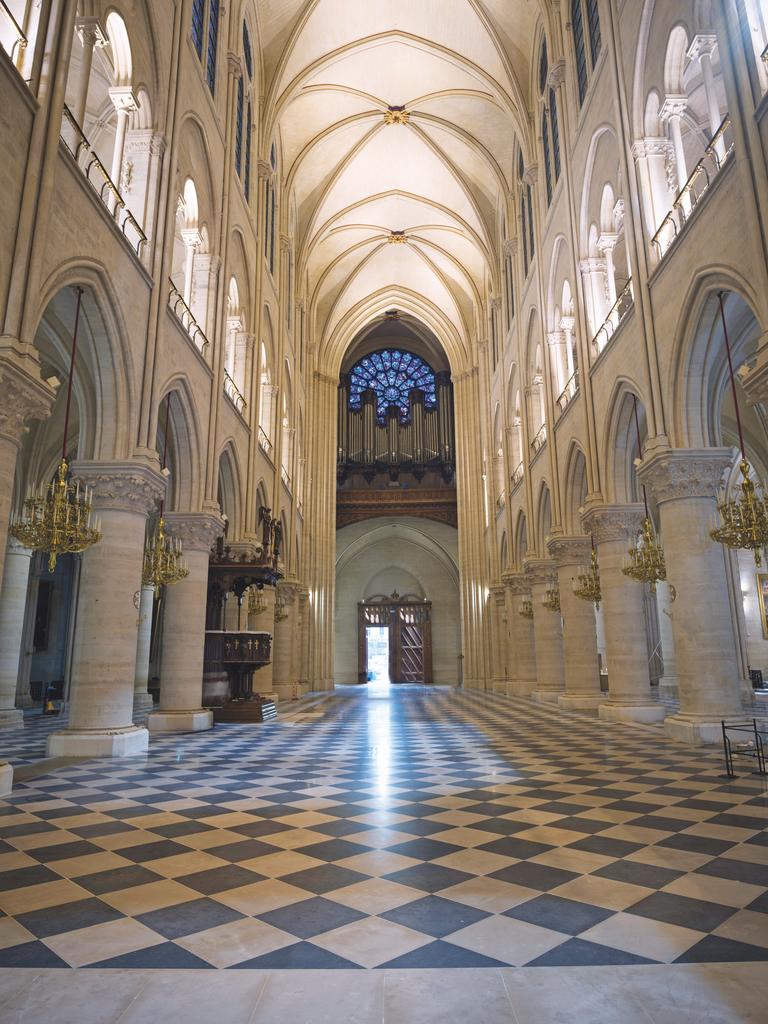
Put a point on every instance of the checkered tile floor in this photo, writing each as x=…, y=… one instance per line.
x=418, y=829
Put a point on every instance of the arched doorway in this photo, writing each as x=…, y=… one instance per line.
x=394, y=639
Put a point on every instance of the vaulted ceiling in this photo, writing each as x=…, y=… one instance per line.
x=460, y=69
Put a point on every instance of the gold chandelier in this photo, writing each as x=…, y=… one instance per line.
x=744, y=518
x=526, y=609
x=552, y=600
x=645, y=562
x=586, y=586
x=163, y=562
x=59, y=521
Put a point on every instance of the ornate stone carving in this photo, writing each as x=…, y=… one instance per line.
x=516, y=583
x=234, y=64
x=686, y=473
x=91, y=32
x=556, y=75
x=121, y=486
x=570, y=550
x=540, y=571
x=196, y=530
x=609, y=523
x=510, y=247
x=673, y=106
x=530, y=174
x=264, y=170
x=702, y=46
x=24, y=398
x=652, y=146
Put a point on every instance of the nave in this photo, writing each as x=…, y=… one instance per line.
x=389, y=833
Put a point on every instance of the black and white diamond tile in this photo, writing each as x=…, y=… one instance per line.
x=428, y=829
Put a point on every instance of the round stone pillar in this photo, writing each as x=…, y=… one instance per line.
x=613, y=527
x=264, y=622
x=499, y=648
x=685, y=484
x=284, y=644
x=522, y=653
x=183, y=642
x=547, y=633
x=13, y=603
x=104, y=650
x=142, y=699
x=582, y=673
x=666, y=610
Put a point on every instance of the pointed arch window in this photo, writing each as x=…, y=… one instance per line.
x=213, y=44
x=198, y=25
x=510, y=290
x=580, y=50
x=247, y=180
x=547, y=156
x=553, y=119
x=239, y=128
x=593, y=24
x=247, y=52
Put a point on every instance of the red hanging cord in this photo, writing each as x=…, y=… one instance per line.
x=79, y=293
x=730, y=371
x=165, y=441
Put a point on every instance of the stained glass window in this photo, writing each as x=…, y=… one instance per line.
x=198, y=14
x=213, y=43
x=391, y=374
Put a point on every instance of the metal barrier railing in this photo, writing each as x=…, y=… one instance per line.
x=285, y=478
x=540, y=438
x=718, y=151
x=186, y=318
x=569, y=392
x=12, y=37
x=616, y=315
x=264, y=443
x=517, y=474
x=233, y=392
x=74, y=138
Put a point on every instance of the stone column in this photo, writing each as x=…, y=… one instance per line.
x=124, y=103
x=664, y=604
x=91, y=35
x=181, y=682
x=702, y=49
x=499, y=666
x=283, y=644
x=629, y=689
x=25, y=397
x=672, y=111
x=264, y=622
x=685, y=483
x=104, y=650
x=522, y=656
x=6, y=778
x=13, y=603
x=547, y=632
x=582, y=674
x=142, y=700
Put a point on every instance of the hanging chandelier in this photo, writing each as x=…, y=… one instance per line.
x=526, y=609
x=645, y=558
x=743, y=518
x=552, y=600
x=586, y=585
x=163, y=561
x=59, y=521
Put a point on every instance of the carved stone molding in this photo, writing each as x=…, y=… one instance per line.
x=686, y=472
x=91, y=32
x=530, y=174
x=123, y=99
x=673, y=106
x=497, y=593
x=264, y=170
x=510, y=247
x=556, y=75
x=234, y=64
x=323, y=378
x=516, y=583
x=702, y=46
x=121, y=486
x=652, y=146
x=608, y=523
x=24, y=398
x=568, y=551
x=541, y=571
x=196, y=530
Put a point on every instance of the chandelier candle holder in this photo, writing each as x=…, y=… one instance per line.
x=526, y=609
x=743, y=519
x=552, y=600
x=59, y=521
x=163, y=562
x=586, y=585
x=645, y=559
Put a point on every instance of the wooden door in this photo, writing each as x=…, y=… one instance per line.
x=410, y=639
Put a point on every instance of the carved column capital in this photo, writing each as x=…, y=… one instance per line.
x=510, y=247
x=703, y=45
x=556, y=75
x=123, y=99
x=25, y=397
x=609, y=523
x=686, y=472
x=651, y=146
x=541, y=571
x=673, y=106
x=121, y=486
x=516, y=582
x=91, y=32
x=196, y=530
x=530, y=174
x=567, y=551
